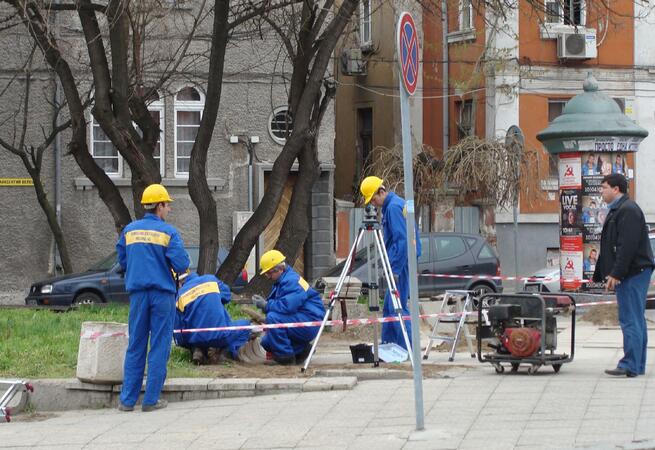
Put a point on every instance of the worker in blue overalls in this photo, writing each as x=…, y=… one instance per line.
x=394, y=229
x=200, y=304
x=291, y=300
x=148, y=249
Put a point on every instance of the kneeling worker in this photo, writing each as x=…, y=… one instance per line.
x=290, y=300
x=200, y=304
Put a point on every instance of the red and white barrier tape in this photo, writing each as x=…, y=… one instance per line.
x=96, y=335
x=500, y=277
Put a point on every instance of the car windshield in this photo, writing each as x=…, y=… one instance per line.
x=105, y=263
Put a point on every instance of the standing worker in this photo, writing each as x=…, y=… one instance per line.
x=394, y=228
x=625, y=264
x=148, y=250
x=291, y=300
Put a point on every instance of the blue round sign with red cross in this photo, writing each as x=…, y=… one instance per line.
x=407, y=42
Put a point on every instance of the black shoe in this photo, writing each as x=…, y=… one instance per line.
x=198, y=356
x=282, y=360
x=618, y=372
x=125, y=408
x=161, y=404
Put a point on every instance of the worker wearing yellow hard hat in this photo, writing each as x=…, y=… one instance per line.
x=148, y=250
x=394, y=229
x=290, y=300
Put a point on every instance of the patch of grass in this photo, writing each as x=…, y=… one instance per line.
x=44, y=344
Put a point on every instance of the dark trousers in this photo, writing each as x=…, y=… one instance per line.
x=631, y=298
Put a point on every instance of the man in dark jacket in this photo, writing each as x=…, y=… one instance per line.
x=625, y=264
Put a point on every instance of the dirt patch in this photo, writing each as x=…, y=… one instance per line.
x=33, y=417
x=605, y=315
x=241, y=370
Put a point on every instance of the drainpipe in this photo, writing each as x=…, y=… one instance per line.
x=444, y=51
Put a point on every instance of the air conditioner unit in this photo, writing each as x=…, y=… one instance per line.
x=576, y=45
x=352, y=62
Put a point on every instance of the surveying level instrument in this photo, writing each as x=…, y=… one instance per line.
x=371, y=233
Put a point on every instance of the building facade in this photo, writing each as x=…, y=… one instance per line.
x=520, y=70
x=248, y=136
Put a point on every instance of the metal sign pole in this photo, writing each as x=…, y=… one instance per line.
x=406, y=58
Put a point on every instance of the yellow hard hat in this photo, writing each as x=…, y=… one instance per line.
x=155, y=193
x=369, y=187
x=270, y=259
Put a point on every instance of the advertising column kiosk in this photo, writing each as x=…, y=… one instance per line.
x=591, y=138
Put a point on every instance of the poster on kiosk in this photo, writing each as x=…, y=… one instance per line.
x=583, y=211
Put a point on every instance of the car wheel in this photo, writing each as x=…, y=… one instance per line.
x=480, y=290
x=87, y=298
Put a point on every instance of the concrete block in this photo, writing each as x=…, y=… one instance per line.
x=233, y=384
x=343, y=383
x=186, y=384
x=75, y=384
x=318, y=384
x=235, y=394
x=279, y=385
x=199, y=395
x=52, y=395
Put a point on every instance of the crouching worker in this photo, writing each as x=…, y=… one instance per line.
x=200, y=304
x=290, y=300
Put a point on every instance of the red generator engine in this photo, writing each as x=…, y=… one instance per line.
x=522, y=329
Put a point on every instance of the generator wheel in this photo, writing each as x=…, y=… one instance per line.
x=515, y=367
x=557, y=367
x=499, y=368
x=533, y=369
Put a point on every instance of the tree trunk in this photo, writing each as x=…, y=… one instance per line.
x=301, y=136
x=295, y=228
x=198, y=187
x=38, y=29
x=51, y=216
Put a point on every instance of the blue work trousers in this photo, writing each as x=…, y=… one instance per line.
x=391, y=331
x=151, y=316
x=631, y=298
x=284, y=342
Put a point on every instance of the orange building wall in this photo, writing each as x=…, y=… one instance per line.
x=432, y=83
x=464, y=75
x=617, y=48
x=533, y=117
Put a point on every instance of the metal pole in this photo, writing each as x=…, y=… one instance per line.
x=444, y=78
x=411, y=252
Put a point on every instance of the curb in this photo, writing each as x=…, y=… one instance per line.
x=70, y=393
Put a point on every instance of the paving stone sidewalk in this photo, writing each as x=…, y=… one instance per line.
x=473, y=408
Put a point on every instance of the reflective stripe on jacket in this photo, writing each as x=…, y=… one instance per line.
x=147, y=250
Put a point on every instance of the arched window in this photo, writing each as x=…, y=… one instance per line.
x=107, y=156
x=280, y=124
x=189, y=103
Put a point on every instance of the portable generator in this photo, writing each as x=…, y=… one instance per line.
x=522, y=329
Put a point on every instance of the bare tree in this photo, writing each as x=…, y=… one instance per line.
x=309, y=38
x=31, y=154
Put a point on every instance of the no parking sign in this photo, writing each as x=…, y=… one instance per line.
x=407, y=43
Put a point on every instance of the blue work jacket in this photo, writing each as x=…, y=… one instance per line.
x=147, y=250
x=291, y=294
x=200, y=304
x=394, y=228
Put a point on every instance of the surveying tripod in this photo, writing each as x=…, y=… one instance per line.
x=370, y=229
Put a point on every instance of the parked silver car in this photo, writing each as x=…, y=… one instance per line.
x=550, y=280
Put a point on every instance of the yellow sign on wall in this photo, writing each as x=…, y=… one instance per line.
x=16, y=182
